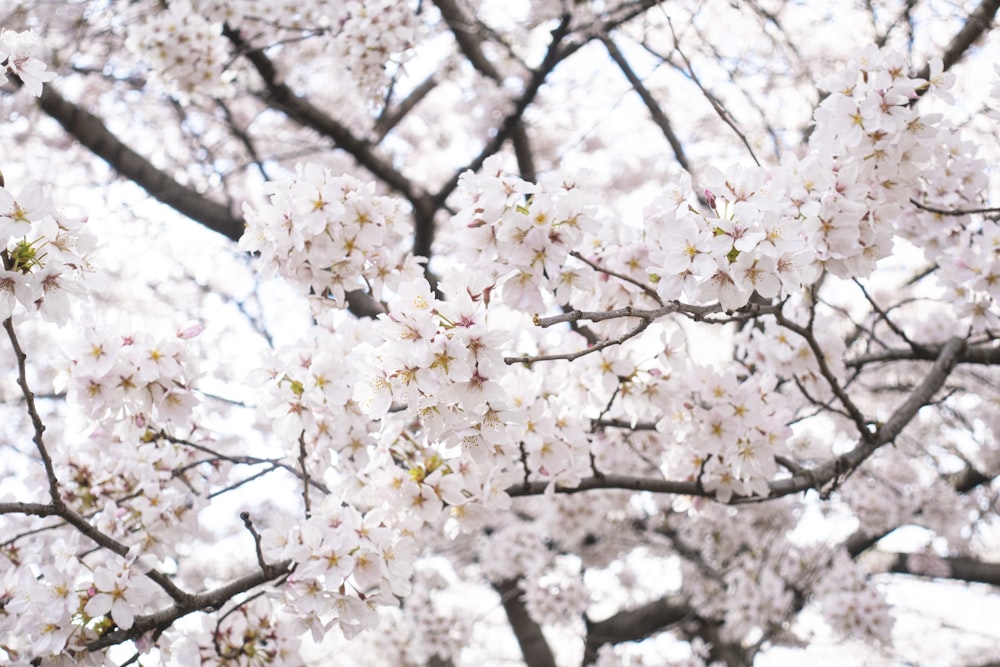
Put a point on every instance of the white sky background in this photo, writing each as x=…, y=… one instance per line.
x=172, y=249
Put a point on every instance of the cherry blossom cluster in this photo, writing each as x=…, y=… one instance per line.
x=745, y=244
x=348, y=563
x=852, y=604
x=69, y=603
x=969, y=269
x=45, y=255
x=440, y=362
x=17, y=58
x=732, y=430
x=252, y=632
x=523, y=233
x=132, y=384
x=837, y=209
x=290, y=14
x=330, y=234
x=872, y=150
x=372, y=34
x=306, y=400
x=183, y=50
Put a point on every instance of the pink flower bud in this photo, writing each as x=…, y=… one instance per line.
x=190, y=330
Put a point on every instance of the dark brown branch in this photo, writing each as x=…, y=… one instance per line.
x=975, y=26
x=209, y=600
x=38, y=427
x=282, y=98
x=716, y=105
x=90, y=131
x=534, y=647
x=646, y=289
x=970, y=355
x=949, y=567
x=860, y=422
x=470, y=43
x=954, y=211
x=634, y=624
x=392, y=117
x=655, y=110
x=556, y=53
x=646, y=317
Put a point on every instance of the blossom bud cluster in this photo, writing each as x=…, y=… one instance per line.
x=17, y=58
x=330, y=234
x=185, y=52
x=523, y=232
x=44, y=257
x=132, y=384
x=732, y=431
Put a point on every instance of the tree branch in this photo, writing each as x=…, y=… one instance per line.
x=823, y=477
x=213, y=599
x=534, y=647
x=90, y=131
x=975, y=26
x=556, y=53
x=949, y=567
x=971, y=355
x=655, y=110
x=634, y=624
x=282, y=98
x=469, y=42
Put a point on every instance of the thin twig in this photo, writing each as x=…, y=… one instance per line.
x=36, y=420
x=647, y=290
x=954, y=211
x=716, y=105
x=305, y=472
x=248, y=524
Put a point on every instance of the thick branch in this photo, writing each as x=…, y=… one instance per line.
x=529, y=635
x=922, y=394
x=556, y=53
x=213, y=599
x=633, y=624
x=970, y=355
x=281, y=97
x=90, y=131
x=977, y=24
x=953, y=567
x=469, y=42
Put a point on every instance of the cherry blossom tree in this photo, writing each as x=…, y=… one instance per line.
x=451, y=332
